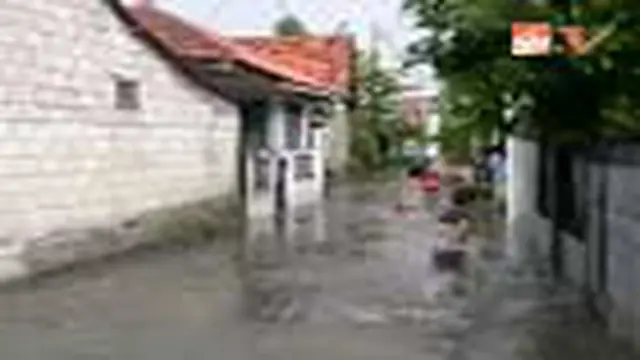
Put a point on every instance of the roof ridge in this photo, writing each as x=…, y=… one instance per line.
x=210, y=35
x=230, y=46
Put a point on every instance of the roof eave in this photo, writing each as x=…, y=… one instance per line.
x=179, y=62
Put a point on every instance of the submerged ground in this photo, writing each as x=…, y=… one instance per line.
x=348, y=280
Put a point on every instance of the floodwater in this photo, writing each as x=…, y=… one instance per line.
x=347, y=280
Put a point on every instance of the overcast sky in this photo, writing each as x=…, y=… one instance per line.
x=242, y=17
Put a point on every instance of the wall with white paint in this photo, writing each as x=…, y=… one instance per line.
x=527, y=232
x=68, y=157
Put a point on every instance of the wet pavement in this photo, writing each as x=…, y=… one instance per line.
x=348, y=280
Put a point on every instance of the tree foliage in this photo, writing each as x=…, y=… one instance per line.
x=376, y=121
x=290, y=25
x=468, y=42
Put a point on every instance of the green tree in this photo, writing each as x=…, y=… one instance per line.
x=376, y=121
x=468, y=42
x=290, y=25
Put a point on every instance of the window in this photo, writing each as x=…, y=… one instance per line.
x=303, y=166
x=127, y=94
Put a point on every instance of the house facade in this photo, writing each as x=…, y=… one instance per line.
x=305, y=132
x=420, y=110
x=292, y=93
x=109, y=117
x=330, y=62
x=97, y=129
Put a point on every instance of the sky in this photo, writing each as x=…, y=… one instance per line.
x=247, y=17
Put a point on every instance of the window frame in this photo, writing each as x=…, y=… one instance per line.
x=127, y=94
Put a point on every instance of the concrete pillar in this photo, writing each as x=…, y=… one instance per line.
x=277, y=125
x=305, y=130
x=522, y=193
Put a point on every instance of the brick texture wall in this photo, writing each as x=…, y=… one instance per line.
x=68, y=157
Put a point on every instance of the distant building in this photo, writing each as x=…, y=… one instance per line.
x=420, y=109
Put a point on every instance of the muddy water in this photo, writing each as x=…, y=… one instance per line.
x=347, y=280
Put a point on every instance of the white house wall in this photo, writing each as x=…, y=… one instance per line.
x=528, y=234
x=68, y=158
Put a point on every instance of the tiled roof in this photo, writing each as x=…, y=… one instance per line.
x=180, y=37
x=318, y=63
x=327, y=59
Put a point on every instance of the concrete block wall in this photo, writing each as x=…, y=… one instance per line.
x=581, y=256
x=623, y=218
x=68, y=157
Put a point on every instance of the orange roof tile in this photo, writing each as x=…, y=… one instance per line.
x=317, y=63
x=180, y=37
x=327, y=59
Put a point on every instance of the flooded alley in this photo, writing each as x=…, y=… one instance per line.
x=350, y=280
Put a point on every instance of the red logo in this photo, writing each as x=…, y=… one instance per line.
x=531, y=39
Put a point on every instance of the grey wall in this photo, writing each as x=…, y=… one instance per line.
x=611, y=203
x=623, y=238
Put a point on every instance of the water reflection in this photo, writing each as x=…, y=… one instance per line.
x=271, y=263
x=353, y=261
x=263, y=256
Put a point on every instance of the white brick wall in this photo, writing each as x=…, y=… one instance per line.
x=67, y=157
